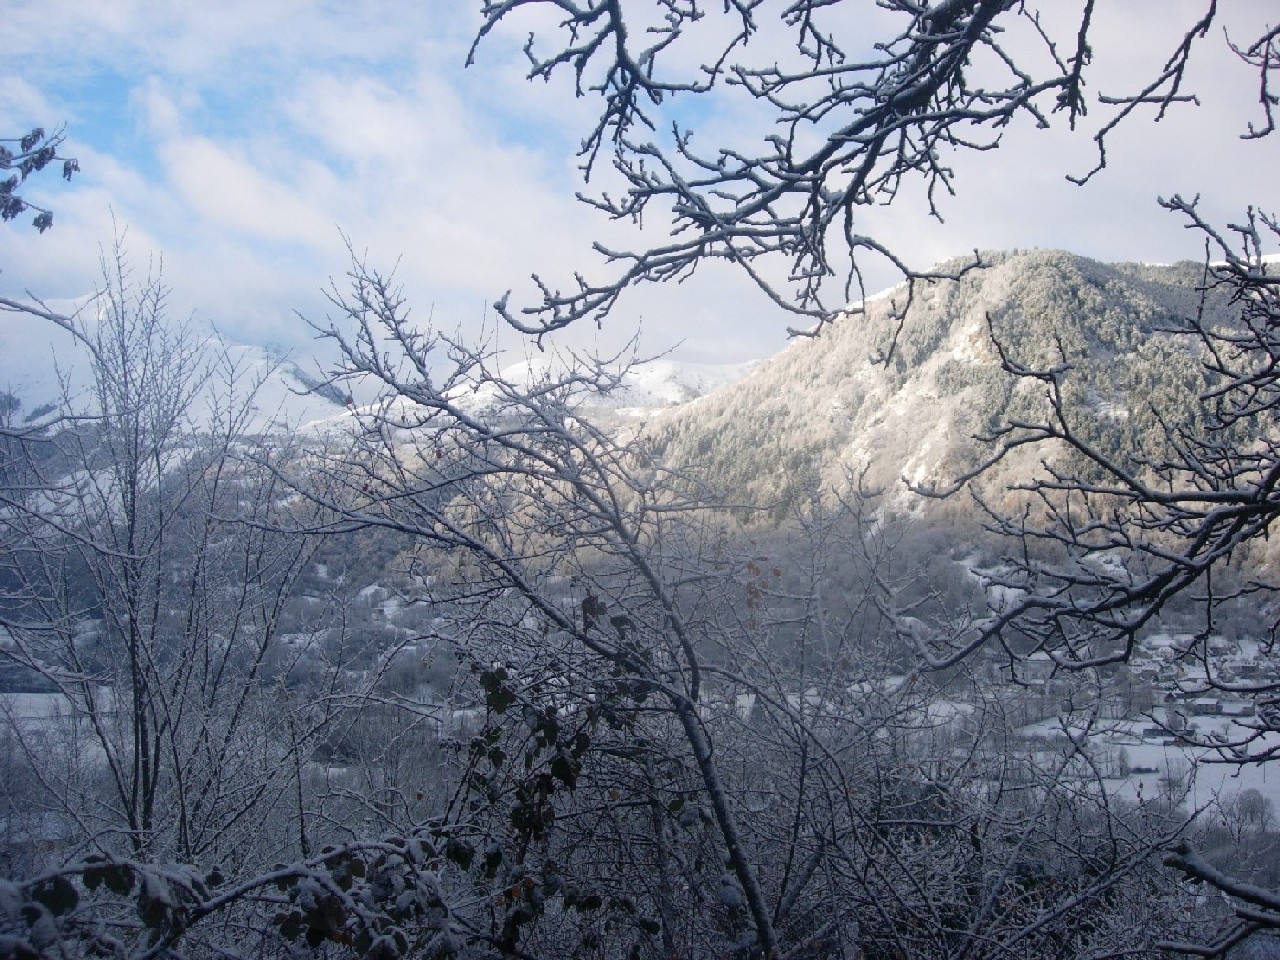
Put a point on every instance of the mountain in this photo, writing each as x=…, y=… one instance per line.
x=642, y=389
x=45, y=369
x=900, y=391
x=897, y=391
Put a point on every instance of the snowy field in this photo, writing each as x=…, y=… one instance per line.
x=1153, y=759
x=31, y=714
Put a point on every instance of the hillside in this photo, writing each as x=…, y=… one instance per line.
x=826, y=407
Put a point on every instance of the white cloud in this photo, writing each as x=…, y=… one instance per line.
x=248, y=133
x=232, y=190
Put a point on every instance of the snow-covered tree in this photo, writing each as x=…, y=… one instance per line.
x=668, y=740
x=856, y=104
x=849, y=104
x=158, y=757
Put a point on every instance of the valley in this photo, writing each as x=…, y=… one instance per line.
x=738, y=628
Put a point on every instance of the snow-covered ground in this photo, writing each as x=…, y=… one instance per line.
x=44, y=710
x=50, y=724
x=1153, y=758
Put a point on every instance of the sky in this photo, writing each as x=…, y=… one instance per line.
x=250, y=146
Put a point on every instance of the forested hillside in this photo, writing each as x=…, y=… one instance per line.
x=902, y=391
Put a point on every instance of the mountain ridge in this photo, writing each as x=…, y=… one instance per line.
x=824, y=411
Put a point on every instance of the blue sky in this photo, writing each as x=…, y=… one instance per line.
x=241, y=141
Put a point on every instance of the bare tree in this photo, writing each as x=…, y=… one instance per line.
x=850, y=126
x=104, y=612
x=667, y=741
x=855, y=101
x=1107, y=545
x=524, y=497
x=165, y=765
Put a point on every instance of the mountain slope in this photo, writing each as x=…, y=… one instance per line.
x=826, y=408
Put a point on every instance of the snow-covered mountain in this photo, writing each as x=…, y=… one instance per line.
x=891, y=403
x=820, y=409
x=643, y=388
x=662, y=384
x=45, y=369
